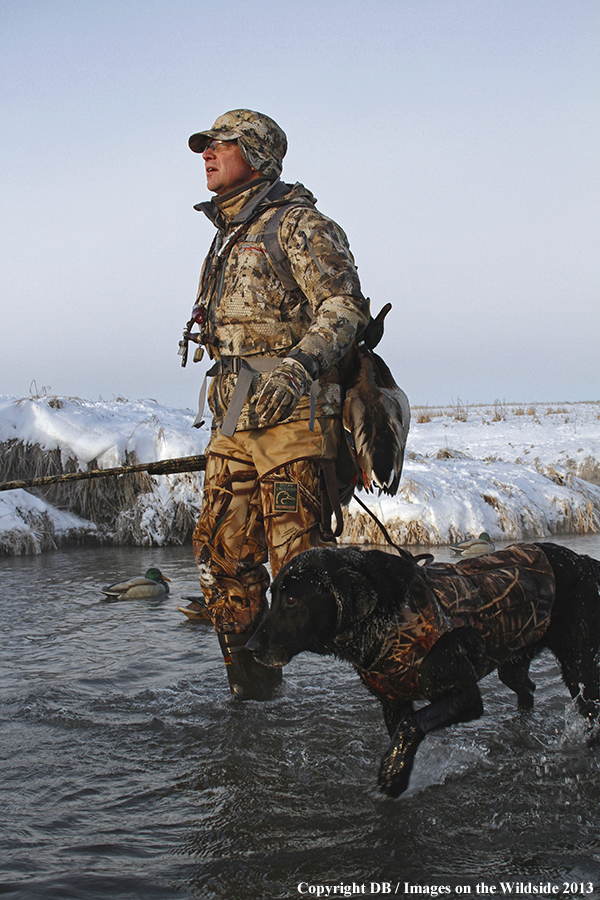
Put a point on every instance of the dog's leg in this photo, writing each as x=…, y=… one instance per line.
x=447, y=677
x=579, y=664
x=574, y=633
x=393, y=713
x=398, y=760
x=514, y=673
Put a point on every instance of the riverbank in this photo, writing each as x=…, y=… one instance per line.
x=517, y=471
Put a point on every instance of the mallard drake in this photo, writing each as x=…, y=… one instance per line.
x=153, y=584
x=197, y=610
x=376, y=419
x=474, y=546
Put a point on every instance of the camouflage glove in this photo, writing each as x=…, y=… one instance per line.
x=279, y=396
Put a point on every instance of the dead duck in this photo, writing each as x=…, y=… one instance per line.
x=474, y=546
x=376, y=420
x=148, y=587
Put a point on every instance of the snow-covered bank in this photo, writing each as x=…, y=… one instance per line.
x=514, y=471
x=51, y=435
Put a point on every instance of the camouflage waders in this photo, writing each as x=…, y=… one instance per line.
x=262, y=500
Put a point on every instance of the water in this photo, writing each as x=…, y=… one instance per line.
x=128, y=772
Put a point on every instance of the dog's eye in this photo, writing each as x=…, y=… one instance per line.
x=291, y=601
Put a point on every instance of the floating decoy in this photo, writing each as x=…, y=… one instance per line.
x=197, y=610
x=152, y=585
x=474, y=546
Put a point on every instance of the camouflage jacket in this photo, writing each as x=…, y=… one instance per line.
x=506, y=597
x=248, y=311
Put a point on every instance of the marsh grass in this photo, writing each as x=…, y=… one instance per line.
x=125, y=510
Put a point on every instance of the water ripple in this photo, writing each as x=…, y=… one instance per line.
x=129, y=772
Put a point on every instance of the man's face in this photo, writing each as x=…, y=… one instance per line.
x=225, y=167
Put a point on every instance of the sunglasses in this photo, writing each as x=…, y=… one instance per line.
x=216, y=146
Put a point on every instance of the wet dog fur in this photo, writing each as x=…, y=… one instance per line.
x=326, y=593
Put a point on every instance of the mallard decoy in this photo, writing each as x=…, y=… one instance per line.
x=474, y=546
x=197, y=610
x=153, y=584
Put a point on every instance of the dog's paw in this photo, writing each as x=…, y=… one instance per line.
x=397, y=762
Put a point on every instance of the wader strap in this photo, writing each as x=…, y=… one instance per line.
x=245, y=372
x=314, y=390
x=238, y=398
x=199, y=421
x=331, y=499
x=240, y=366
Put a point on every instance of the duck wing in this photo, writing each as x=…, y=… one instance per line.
x=135, y=588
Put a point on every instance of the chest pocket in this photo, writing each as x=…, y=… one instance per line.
x=252, y=253
x=252, y=292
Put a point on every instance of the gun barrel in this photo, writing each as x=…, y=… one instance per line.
x=162, y=467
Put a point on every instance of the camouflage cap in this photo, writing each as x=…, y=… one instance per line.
x=261, y=140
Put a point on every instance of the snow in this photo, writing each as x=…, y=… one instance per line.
x=106, y=434
x=517, y=472
x=32, y=525
x=513, y=471
x=104, y=431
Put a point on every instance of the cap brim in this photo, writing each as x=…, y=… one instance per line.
x=198, y=142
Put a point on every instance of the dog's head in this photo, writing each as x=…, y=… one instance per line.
x=316, y=597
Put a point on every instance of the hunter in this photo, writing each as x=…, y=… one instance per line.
x=278, y=306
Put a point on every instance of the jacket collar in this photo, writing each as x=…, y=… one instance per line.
x=237, y=206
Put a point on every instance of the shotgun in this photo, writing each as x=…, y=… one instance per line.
x=164, y=467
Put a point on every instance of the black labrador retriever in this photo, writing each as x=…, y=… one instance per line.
x=431, y=632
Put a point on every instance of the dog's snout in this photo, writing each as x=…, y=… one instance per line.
x=253, y=645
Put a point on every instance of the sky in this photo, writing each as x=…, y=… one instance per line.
x=457, y=142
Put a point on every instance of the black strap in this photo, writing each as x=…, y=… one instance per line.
x=330, y=503
x=427, y=557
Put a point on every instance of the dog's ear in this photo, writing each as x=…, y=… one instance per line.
x=354, y=596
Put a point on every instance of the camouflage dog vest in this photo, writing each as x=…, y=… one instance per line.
x=506, y=597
